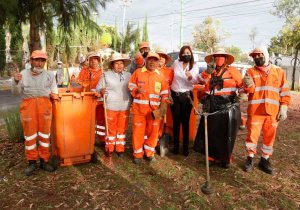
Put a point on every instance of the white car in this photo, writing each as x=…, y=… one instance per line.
x=198, y=57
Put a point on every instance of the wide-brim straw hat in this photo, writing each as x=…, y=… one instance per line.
x=220, y=51
x=93, y=54
x=119, y=57
x=165, y=55
x=153, y=55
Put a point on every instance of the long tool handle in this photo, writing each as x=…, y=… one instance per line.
x=206, y=148
x=104, y=107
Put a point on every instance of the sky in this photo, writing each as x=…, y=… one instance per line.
x=237, y=18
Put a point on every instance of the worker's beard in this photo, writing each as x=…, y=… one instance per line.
x=37, y=70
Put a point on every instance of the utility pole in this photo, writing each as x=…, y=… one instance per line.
x=181, y=5
x=125, y=4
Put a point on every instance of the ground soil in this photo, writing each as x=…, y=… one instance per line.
x=173, y=182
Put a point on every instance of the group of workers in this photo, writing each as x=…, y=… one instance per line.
x=147, y=90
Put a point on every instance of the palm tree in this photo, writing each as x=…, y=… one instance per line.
x=67, y=14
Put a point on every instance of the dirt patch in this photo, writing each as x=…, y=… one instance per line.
x=172, y=182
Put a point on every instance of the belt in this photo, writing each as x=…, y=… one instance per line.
x=180, y=93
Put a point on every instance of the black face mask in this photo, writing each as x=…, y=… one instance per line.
x=145, y=54
x=259, y=61
x=186, y=58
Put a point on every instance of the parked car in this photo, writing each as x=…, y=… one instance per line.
x=198, y=56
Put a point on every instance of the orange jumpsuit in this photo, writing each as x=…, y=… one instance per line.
x=265, y=97
x=36, y=112
x=88, y=78
x=144, y=126
x=168, y=75
x=220, y=148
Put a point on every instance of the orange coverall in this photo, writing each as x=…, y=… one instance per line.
x=144, y=126
x=265, y=96
x=88, y=78
x=168, y=75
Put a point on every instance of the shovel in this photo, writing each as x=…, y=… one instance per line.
x=207, y=187
x=164, y=140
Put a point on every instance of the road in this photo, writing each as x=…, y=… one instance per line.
x=7, y=100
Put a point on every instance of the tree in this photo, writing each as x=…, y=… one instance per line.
x=16, y=43
x=2, y=50
x=145, y=31
x=290, y=33
x=252, y=36
x=137, y=38
x=68, y=14
x=128, y=39
x=208, y=34
x=235, y=51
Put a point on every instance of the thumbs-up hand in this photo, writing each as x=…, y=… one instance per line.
x=248, y=81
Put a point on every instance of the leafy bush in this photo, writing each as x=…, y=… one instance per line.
x=13, y=124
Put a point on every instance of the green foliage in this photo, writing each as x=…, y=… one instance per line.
x=145, y=31
x=13, y=124
x=16, y=43
x=289, y=36
x=208, y=34
x=137, y=38
x=235, y=51
x=2, y=53
x=129, y=38
x=106, y=39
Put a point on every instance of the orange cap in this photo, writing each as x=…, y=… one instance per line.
x=144, y=44
x=39, y=54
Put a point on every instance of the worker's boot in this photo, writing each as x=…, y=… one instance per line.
x=152, y=159
x=137, y=161
x=176, y=147
x=46, y=166
x=120, y=154
x=265, y=165
x=186, y=148
x=31, y=167
x=249, y=164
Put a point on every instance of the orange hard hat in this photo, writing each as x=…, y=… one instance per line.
x=39, y=54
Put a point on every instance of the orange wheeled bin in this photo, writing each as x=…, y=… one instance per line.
x=73, y=128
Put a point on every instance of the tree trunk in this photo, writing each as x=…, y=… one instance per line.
x=35, y=42
x=294, y=69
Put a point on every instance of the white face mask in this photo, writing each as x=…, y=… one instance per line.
x=37, y=70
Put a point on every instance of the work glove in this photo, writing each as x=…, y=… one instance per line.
x=156, y=114
x=282, y=114
x=242, y=97
x=210, y=67
x=248, y=81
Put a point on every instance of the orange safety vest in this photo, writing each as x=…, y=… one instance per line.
x=168, y=74
x=232, y=81
x=89, y=76
x=155, y=90
x=268, y=92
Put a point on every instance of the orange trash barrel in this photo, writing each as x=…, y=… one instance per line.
x=193, y=117
x=73, y=127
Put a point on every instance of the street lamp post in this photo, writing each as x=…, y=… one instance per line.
x=125, y=4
